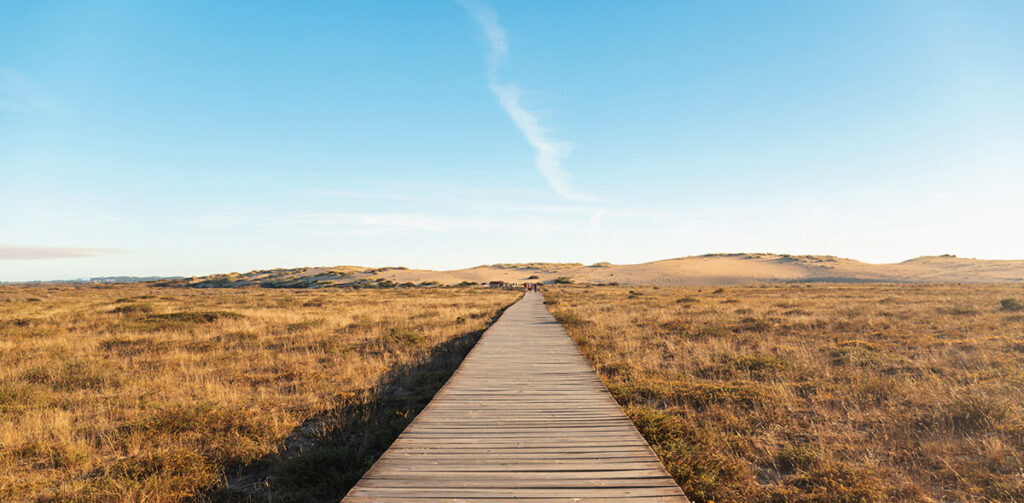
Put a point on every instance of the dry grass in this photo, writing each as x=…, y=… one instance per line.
x=137, y=393
x=835, y=393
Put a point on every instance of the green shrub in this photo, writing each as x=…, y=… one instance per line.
x=402, y=337
x=193, y=316
x=759, y=363
x=710, y=331
x=143, y=308
x=958, y=310
x=302, y=326
x=181, y=319
x=793, y=458
x=1010, y=304
x=73, y=376
x=570, y=319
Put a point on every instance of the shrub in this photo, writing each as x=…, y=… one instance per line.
x=800, y=457
x=72, y=376
x=403, y=337
x=839, y=483
x=15, y=396
x=204, y=418
x=859, y=355
x=759, y=363
x=563, y=280
x=129, y=346
x=302, y=326
x=710, y=331
x=958, y=311
x=193, y=316
x=181, y=319
x=759, y=325
x=973, y=412
x=876, y=389
x=570, y=319
x=1010, y=304
x=142, y=308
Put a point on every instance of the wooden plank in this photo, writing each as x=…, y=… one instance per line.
x=524, y=418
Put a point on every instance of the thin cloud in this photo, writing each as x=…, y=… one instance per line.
x=448, y=201
x=550, y=152
x=598, y=218
x=378, y=223
x=19, y=94
x=45, y=252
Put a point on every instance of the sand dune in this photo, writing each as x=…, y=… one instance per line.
x=715, y=269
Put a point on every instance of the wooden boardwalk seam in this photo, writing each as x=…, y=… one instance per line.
x=524, y=418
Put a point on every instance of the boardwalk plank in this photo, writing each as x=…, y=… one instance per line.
x=524, y=418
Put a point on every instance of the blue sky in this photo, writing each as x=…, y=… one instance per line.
x=181, y=138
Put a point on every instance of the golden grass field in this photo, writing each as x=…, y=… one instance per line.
x=138, y=393
x=779, y=393
x=832, y=393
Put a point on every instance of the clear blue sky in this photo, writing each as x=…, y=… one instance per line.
x=181, y=138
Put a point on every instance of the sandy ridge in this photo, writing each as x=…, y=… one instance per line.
x=714, y=269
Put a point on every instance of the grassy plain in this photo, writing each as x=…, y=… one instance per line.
x=837, y=393
x=139, y=393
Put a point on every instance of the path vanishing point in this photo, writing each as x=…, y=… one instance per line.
x=524, y=418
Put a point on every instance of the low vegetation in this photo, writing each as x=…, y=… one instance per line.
x=831, y=393
x=141, y=393
x=540, y=266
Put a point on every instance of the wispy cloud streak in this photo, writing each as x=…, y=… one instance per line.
x=19, y=94
x=550, y=152
x=378, y=223
x=45, y=252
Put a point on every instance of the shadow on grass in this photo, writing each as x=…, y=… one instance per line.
x=326, y=455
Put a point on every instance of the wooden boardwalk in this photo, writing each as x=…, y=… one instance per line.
x=524, y=418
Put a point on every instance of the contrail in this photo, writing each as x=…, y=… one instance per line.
x=549, y=152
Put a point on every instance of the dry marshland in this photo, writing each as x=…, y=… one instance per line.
x=834, y=393
x=139, y=393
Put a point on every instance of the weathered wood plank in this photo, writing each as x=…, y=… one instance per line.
x=524, y=418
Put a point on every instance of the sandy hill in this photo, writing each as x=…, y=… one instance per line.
x=715, y=269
